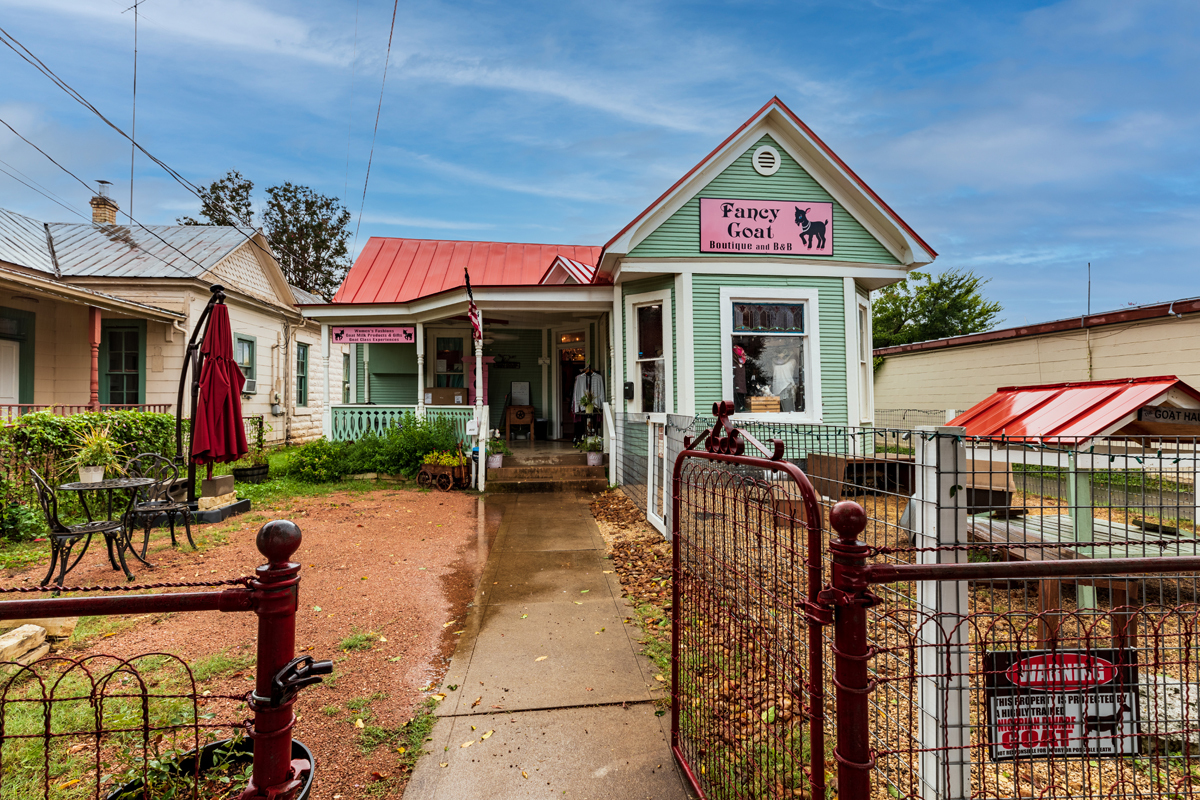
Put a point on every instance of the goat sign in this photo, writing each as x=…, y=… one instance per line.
x=775, y=227
x=1061, y=703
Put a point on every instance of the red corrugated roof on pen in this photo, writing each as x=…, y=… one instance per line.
x=393, y=270
x=1065, y=411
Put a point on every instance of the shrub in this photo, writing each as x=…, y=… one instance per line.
x=445, y=458
x=321, y=461
x=46, y=442
x=363, y=454
x=411, y=439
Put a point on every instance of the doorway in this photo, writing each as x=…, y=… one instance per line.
x=571, y=349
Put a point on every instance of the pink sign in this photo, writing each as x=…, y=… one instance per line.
x=790, y=227
x=376, y=335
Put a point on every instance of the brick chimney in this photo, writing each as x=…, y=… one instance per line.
x=104, y=208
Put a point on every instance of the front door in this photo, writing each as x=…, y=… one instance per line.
x=10, y=373
x=571, y=363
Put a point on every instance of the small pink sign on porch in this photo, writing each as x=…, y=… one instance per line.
x=383, y=334
x=788, y=227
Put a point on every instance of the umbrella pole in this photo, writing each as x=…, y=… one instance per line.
x=193, y=360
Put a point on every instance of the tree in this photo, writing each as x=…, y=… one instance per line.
x=309, y=233
x=225, y=202
x=924, y=307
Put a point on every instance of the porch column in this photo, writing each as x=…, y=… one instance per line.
x=327, y=422
x=420, y=369
x=94, y=338
x=481, y=425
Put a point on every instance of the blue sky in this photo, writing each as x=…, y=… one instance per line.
x=1021, y=139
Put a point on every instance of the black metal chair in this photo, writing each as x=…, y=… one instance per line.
x=63, y=538
x=155, y=500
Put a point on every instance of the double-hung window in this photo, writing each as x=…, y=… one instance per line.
x=243, y=354
x=345, y=377
x=771, y=355
x=301, y=374
x=649, y=351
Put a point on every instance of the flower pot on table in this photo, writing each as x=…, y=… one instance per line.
x=91, y=474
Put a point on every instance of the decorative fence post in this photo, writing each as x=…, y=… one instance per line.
x=850, y=599
x=279, y=676
x=944, y=703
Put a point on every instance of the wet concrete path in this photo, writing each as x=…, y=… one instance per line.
x=547, y=663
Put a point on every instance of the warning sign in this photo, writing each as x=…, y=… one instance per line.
x=1061, y=703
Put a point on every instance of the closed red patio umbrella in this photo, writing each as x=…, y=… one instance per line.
x=217, y=432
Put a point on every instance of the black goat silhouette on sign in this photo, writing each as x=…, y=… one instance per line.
x=1109, y=724
x=810, y=229
x=337, y=335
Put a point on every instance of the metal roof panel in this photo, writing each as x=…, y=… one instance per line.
x=23, y=242
x=395, y=270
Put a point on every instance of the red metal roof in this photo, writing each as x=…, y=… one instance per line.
x=400, y=270
x=1068, y=412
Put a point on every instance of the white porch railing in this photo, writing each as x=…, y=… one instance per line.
x=352, y=421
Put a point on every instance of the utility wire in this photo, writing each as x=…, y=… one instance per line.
x=350, y=114
x=37, y=189
x=133, y=123
x=387, y=59
x=46, y=192
x=85, y=185
x=27, y=55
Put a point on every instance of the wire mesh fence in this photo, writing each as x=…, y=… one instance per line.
x=908, y=419
x=933, y=498
x=92, y=726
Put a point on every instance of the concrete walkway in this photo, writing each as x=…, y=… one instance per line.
x=547, y=662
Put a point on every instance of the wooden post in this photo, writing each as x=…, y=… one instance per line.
x=94, y=338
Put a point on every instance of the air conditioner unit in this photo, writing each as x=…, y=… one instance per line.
x=251, y=386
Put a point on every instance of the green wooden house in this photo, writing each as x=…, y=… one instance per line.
x=748, y=280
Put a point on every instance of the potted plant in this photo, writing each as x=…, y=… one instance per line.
x=497, y=449
x=588, y=403
x=96, y=452
x=593, y=446
x=254, y=467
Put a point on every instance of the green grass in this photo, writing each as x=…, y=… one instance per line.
x=218, y=664
x=92, y=629
x=358, y=640
x=656, y=629
x=24, y=760
x=359, y=703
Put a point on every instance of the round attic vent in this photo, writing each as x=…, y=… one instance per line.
x=766, y=160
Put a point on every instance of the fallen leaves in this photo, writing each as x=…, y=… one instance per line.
x=541, y=658
x=486, y=735
x=358, y=723
x=467, y=744
x=478, y=700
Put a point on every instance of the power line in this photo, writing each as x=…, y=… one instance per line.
x=45, y=191
x=387, y=60
x=36, y=188
x=27, y=55
x=350, y=115
x=85, y=185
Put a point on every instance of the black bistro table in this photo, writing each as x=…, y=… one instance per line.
x=110, y=487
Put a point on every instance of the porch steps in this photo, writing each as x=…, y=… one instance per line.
x=547, y=472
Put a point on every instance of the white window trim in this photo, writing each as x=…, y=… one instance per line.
x=307, y=409
x=868, y=387
x=662, y=297
x=812, y=349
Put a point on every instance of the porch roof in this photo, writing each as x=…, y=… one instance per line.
x=391, y=270
x=25, y=283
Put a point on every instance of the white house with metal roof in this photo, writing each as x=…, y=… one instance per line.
x=99, y=315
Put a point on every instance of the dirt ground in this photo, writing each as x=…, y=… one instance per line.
x=398, y=564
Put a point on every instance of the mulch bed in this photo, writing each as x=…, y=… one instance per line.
x=640, y=555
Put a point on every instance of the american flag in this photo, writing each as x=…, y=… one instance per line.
x=473, y=310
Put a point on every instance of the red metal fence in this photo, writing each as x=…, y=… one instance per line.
x=969, y=671
x=748, y=711
x=104, y=703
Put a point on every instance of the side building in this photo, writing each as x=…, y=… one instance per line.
x=99, y=315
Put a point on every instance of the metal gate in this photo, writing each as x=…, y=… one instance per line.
x=1074, y=702
x=748, y=711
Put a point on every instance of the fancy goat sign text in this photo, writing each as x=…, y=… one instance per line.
x=793, y=227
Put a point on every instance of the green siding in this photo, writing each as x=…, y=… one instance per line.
x=680, y=234
x=394, y=378
x=831, y=314
x=526, y=349
x=390, y=389
x=638, y=287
